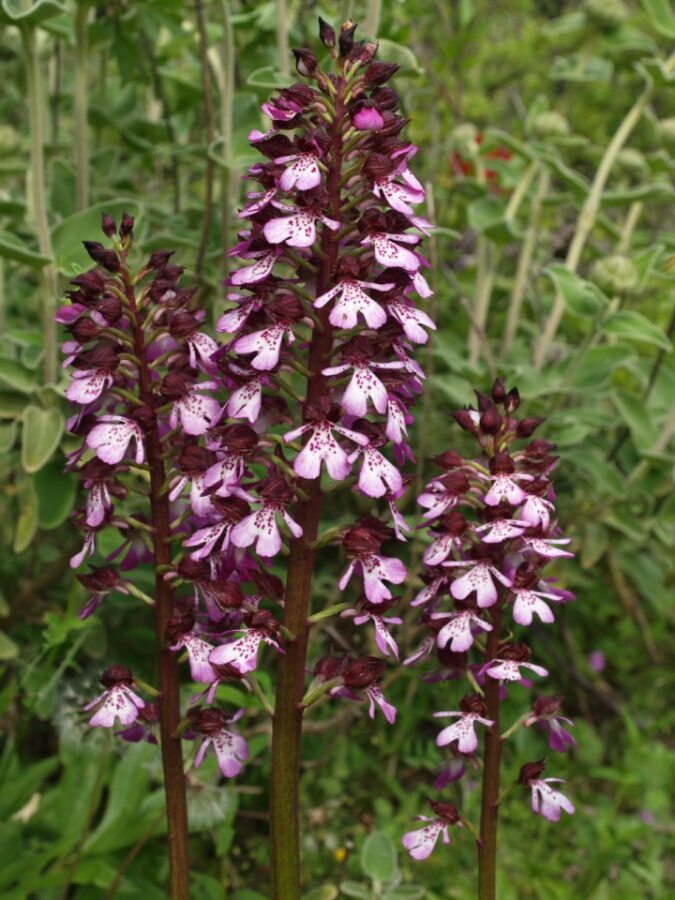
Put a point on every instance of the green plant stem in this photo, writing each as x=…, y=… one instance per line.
x=288, y=711
x=525, y=262
x=485, y=272
x=590, y=210
x=521, y=189
x=80, y=91
x=282, y=38
x=225, y=75
x=632, y=217
x=489, y=814
x=372, y=23
x=39, y=210
x=169, y=678
x=210, y=137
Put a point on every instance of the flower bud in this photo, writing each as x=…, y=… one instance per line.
x=116, y=675
x=103, y=257
x=327, y=34
x=306, y=62
x=551, y=124
x=446, y=811
x=380, y=72
x=126, y=225
x=490, y=421
x=632, y=163
x=531, y=771
x=346, y=39
x=108, y=225
x=616, y=275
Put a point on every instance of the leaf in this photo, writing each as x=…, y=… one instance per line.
x=604, y=475
x=487, y=215
x=356, y=889
x=633, y=326
x=390, y=51
x=582, y=297
x=593, y=544
x=15, y=376
x=15, y=12
x=379, y=857
x=42, y=430
x=405, y=892
x=21, y=254
x=7, y=436
x=582, y=68
x=662, y=17
x=67, y=236
x=55, y=491
x=8, y=649
x=27, y=522
x=325, y=892
x=636, y=416
x=11, y=405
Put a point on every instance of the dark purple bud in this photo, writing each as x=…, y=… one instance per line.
x=361, y=673
x=498, y=391
x=194, y=570
x=448, y=460
x=502, y=464
x=209, y=721
x=106, y=258
x=195, y=460
x=110, y=308
x=379, y=73
x=126, y=225
x=545, y=707
x=227, y=595
x=183, y=324
x=527, y=427
x=490, y=421
x=451, y=659
x=268, y=584
x=512, y=401
x=108, y=225
x=531, y=771
x=84, y=330
x=327, y=34
x=346, y=40
x=159, y=259
x=465, y=418
x=306, y=62
x=515, y=652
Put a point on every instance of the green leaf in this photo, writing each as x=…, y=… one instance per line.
x=379, y=857
x=325, y=892
x=594, y=542
x=633, y=326
x=661, y=16
x=7, y=436
x=637, y=418
x=55, y=491
x=603, y=474
x=27, y=522
x=390, y=51
x=405, y=892
x=42, y=430
x=356, y=889
x=21, y=254
x=15, y=12
x=8, y=649
x=581, y=297
x=11, y=405
x=582, y=68
x=487, y=215
x=16, y=376
x=67, y=236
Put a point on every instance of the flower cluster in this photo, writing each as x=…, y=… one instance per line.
x=316, y=365
x=142, y=382
x=493, y=531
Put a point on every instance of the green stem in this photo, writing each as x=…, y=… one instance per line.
x=372, y=24
x=590, y=210
x=485, y=272
x=525, y=262
x=282, y=38
x=632, y=217
x=210, y=137
x=225, y=75
x=39, y=209
x=80, y=91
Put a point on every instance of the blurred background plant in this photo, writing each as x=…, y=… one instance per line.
x=547, y=141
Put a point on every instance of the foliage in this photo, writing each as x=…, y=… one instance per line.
x=76, y=811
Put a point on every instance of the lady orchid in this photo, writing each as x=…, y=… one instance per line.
x=213, y=461
x=493, y=531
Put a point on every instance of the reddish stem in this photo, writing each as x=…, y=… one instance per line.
x=288, y=713
x=489, y=815
x=169, y=678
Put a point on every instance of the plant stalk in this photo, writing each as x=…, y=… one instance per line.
x=80, y=107
x=288, y=712
x=169, y=678
x=489, y=815
x=39, y=208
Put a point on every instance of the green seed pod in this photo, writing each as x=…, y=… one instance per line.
x=606, y=14
x=464, y=140
x=615, y=275
x=9, y=140
x=632, y=163
x=667, y=133
x=551, y=124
